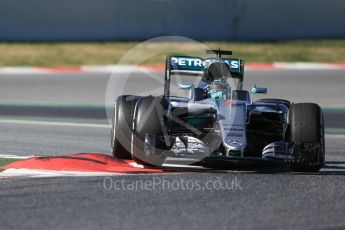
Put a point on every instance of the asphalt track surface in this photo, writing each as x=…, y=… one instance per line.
x=324, y=87
x=252, y=199
x=261, y=200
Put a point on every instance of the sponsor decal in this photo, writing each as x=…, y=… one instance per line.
x=234, y=64
x=228, y=102
x=234, y=134
x=235, y=103
x=234, y=142
x=187, y=61
x=194, y=63
x=233, y=129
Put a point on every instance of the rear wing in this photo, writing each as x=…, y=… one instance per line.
x=195, y=65
x=188, y=65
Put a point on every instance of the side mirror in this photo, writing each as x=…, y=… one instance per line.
x=259, y=90
x=185, y=86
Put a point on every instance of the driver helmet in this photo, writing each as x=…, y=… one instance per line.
x=220, y=89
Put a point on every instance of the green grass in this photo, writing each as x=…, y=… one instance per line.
x=103, y=53
x=6, y=161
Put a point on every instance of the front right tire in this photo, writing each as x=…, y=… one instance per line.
x=150, y=119
x=122, y=126
x=307, y=127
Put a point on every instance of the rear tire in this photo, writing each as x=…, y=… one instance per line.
x=149, y=119
x=122, y=126
x=307, y=126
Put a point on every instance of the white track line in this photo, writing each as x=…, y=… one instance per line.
x=21, y=70
x=13, y=172
x=47, y=173
x=110, y=69
x=335, y=135
x=8, y=156
x=133, y=68
x=305, y=66
x=49, y=123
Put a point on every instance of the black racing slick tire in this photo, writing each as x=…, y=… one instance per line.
x=122, y=126
x=307, y=128
x=149, y=119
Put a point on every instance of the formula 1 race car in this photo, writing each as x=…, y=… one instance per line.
x=216, y=123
